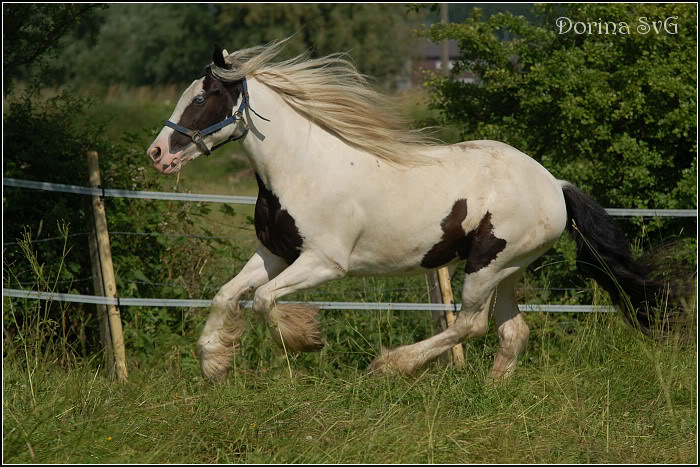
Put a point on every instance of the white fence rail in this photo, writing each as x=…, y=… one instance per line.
x=112, y=193
x=107, y=192
x=157, y=302
x=161, y=302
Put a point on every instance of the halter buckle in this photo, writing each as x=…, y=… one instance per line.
x=197, y=137
x=239, y=118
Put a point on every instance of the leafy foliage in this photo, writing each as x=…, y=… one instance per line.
x=614, y=114
x=153, y=44
x=377, y=36
x=143, y=44
x=46, y=141
x=32, y=31
x=458, y=12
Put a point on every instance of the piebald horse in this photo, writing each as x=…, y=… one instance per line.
x=346, y=189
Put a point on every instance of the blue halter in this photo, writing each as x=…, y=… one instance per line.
x=198, y=135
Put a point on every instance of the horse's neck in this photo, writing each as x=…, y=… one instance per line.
x=288, y=147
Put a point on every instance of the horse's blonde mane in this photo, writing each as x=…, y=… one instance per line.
x=332, y=93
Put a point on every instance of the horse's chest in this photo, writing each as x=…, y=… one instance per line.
x=274, y=226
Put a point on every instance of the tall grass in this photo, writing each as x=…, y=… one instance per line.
x=614, y=397
x=38, y=336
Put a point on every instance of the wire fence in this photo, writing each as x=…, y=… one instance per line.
x=250, y=200
x=325, y=305
x=159, y=195
x=137, y=234
x=213, y=237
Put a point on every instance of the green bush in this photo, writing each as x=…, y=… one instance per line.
x=613, y=114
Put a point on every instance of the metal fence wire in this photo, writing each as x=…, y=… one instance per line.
x=250, y=200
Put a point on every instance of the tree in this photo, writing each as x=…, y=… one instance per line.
x=32, y=33
x=153, y=44
x=377, y=36
x=459, y=12
x=144, y=44
x=613, y=113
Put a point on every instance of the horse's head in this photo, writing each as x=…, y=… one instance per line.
x=204, y=118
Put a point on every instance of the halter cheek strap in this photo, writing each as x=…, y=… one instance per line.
x=197, y=136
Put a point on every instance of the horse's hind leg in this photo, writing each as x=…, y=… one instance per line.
x=472, y=321
x=225, y=324
x=513, y=332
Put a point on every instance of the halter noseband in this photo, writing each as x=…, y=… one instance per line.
x=197, y=136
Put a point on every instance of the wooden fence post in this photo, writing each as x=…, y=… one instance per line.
x=111, y=324
x=439, y=318
x=440, y=291
x=105, y=335
x=450, y=316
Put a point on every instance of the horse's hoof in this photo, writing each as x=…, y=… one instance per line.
x=389, y=362
x=214, y=364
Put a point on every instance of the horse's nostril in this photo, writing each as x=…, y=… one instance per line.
x=155, y=153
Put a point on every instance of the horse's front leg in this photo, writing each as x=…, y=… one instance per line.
x=293, y=326
x=226, y=321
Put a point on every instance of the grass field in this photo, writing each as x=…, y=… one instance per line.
x=608, y=396
x=588, y=389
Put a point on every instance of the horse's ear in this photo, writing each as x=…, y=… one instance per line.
x=219, y=57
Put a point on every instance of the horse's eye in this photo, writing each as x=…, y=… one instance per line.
x=199, y=100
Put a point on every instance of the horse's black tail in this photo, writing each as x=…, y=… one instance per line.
x=604, y=254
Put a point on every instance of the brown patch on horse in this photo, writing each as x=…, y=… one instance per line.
x=482, y=245
x=219, y=100
x=274, y=226
x=479, y=247
x=453, y=236
x=296, y=325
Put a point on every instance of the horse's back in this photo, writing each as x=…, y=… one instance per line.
x=495, y=176
x=472, y=184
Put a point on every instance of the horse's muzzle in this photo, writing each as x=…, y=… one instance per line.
x=163, y=161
